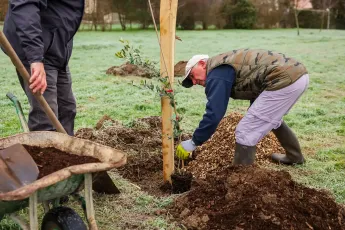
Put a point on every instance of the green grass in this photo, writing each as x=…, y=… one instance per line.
x=318, y=118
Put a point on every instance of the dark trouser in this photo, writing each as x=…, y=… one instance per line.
x=60, y=98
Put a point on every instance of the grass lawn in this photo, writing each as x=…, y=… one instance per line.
x=318, y=118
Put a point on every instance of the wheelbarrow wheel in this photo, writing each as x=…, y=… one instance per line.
x=62, y=218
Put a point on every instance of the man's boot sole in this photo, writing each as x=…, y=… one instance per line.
x=283, y=159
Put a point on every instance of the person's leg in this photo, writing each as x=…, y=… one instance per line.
x=264, y=115
x=38, y=120
x=66, y=101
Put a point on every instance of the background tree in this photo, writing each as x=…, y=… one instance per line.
x=204, y=14
x=273, y=13
x=123, y=8
x=186, y=14
x=142, y=13
x=297, y=5
x=104, y=14
x=336, y=11
x=216, y=16
x=239, y=14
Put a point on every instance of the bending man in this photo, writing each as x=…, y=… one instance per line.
x=271, y=82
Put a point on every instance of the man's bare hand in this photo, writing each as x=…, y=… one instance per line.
x=38, y=81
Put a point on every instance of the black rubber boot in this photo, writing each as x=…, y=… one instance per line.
x=289, y=142
x=244, y=155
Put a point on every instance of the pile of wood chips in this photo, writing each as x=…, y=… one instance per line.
x=217, y=153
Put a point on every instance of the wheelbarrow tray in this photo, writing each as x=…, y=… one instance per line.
x=64, y=181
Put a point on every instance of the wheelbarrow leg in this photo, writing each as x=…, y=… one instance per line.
x=33, y=211
x=90, y=211
x=46, y=207
x=20, y=221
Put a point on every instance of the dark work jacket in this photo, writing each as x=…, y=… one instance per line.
x=43, y=30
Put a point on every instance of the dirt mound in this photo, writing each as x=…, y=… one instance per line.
x=256, y=198
x=143, y=142
x=130, y=70
x=141, y=138
x=218, y=152
x=180, y=68
x=106, y=120
x=222, y=196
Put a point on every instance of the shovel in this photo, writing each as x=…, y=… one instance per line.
x=17, y=168
x=98, y=187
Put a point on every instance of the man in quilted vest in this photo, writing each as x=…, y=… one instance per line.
x=271, y=82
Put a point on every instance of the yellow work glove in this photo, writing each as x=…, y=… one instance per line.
x=184, y=149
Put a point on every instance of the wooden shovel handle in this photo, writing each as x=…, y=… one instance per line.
x=26, y=76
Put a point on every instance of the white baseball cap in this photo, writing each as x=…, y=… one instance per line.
x=187, y=82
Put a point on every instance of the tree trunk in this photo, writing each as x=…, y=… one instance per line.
x=296, y=19
x=103, y=24
x=204, y=25
x=94, y=16
x=328, y=18
x=94, y=21
x=322, y=20
x=122, y=21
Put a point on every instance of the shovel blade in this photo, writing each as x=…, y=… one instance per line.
x=17, y=168
x=102, y=183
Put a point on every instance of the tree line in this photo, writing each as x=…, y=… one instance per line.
x=225, y=14
x=219, y=14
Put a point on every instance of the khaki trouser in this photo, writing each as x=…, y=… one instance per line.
x=267, y=111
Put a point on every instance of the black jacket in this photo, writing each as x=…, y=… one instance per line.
x=43, y=30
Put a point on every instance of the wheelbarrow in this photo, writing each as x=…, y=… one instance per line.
x=103, y=184
x=58, y=184
x=68, y=181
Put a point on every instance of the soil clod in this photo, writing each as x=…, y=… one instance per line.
x=129, y=69
x=180, y=68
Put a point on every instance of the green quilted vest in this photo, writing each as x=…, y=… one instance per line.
x=258, y=70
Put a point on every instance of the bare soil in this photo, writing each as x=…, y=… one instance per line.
x=142, y=141
x=129, y=69
x=222, y=196
x=256, y=198
x=181, y=182
x=50, y=160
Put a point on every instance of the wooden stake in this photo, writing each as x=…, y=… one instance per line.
x=167, y=140
x=168, y=11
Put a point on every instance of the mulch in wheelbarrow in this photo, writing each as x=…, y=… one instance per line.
x=50, y=160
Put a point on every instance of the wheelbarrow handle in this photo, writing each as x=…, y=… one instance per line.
x=26, y=76
x=11, y=97
x=19, y=111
